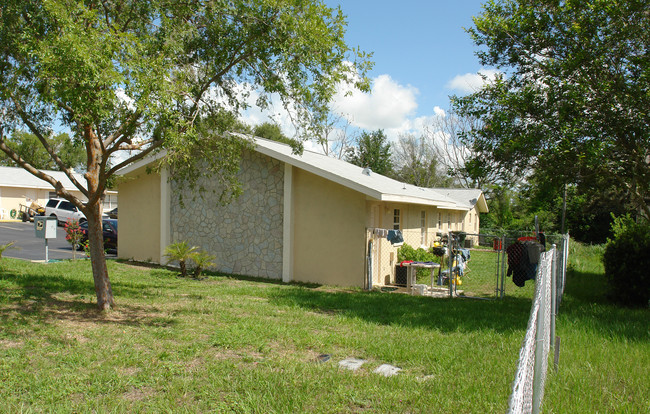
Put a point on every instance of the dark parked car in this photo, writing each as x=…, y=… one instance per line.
x=110, y=233
x=112, y=214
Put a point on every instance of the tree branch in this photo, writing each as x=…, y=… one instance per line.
x=62, y=167
x=60, y=189
x=139, y=156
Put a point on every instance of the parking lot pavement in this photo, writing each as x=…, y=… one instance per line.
x=30, y=247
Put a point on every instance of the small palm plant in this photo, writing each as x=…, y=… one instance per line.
x=4, y=247
x=201, y=261
x=180, y=252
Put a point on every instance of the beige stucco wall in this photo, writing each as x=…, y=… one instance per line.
x=436, y=220
x=329, y=231
x=139, y=217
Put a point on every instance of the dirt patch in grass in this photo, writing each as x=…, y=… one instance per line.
x=127, y=371
x=76, y=317
x=138, y=394
x=6, y=344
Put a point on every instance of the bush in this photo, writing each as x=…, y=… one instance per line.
x=183, y=253
x=627, y=260
x=407, y=252
x=73, y=235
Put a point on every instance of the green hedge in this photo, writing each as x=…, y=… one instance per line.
x=407, y=252
x=627, y=262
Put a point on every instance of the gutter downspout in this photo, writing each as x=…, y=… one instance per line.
x=370, y=269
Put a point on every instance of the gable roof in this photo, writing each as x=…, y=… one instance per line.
x=20, y=178
x=363, y=180
x=467, y=197
x=17, y=177
x=374, y=186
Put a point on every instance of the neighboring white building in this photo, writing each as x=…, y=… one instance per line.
x=17, y=186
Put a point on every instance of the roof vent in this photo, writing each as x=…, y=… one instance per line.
x=366, y=171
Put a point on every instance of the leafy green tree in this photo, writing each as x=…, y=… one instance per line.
x=129, y=78
x=271, y=131
x=500, y=204
x=573, y=96
x=33, y=153
x=373, y=151
x=590, y=203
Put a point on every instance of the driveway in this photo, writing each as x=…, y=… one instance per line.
x=31, y=247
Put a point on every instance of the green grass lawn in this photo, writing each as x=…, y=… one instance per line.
x=242, y=345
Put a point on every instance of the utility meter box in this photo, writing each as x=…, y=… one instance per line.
x=45, y=227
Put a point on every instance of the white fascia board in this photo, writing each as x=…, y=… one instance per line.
x=31, y=186
x=392, y=198
x=141, y=163
x=456, y=208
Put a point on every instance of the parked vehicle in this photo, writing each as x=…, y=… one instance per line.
x=27, y=213
x=113, y=213
x=109, y=228
x=63, y=210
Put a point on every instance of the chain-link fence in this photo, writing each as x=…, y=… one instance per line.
x=480, y=263
x=528, y=386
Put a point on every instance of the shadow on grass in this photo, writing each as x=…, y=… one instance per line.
x=446, y=315
x=44, y=297
x=585, y=303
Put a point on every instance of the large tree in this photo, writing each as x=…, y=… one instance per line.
x=449, y=136
x=30, y=149
x=415, y=162
x=574, y=92
x=372, y=151
x=128, y=78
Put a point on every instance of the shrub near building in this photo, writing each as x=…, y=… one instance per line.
x=627, y=260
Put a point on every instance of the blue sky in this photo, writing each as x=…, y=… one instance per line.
x=417, y=43
x=422, y=55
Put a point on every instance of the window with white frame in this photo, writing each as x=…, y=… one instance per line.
x=440, y=221
x=396, y=219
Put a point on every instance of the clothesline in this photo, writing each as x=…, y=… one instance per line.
x=393, y=236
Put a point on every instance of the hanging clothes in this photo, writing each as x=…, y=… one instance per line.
x=380, y=233
x=523, y=259
x=395, y=237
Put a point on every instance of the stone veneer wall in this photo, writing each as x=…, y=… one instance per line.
x=245, y=235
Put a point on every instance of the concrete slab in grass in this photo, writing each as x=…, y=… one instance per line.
x=352, y=364
x=387, y=370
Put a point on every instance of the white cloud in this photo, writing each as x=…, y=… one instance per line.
x=125, y=99
x=387, y=106
x=471, y=82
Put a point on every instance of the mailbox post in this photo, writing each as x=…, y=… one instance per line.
x=45, y=228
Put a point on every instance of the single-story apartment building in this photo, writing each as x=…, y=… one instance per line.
x=304, y=218
x=19, y=187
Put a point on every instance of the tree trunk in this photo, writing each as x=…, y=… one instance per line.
x=97, y=258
